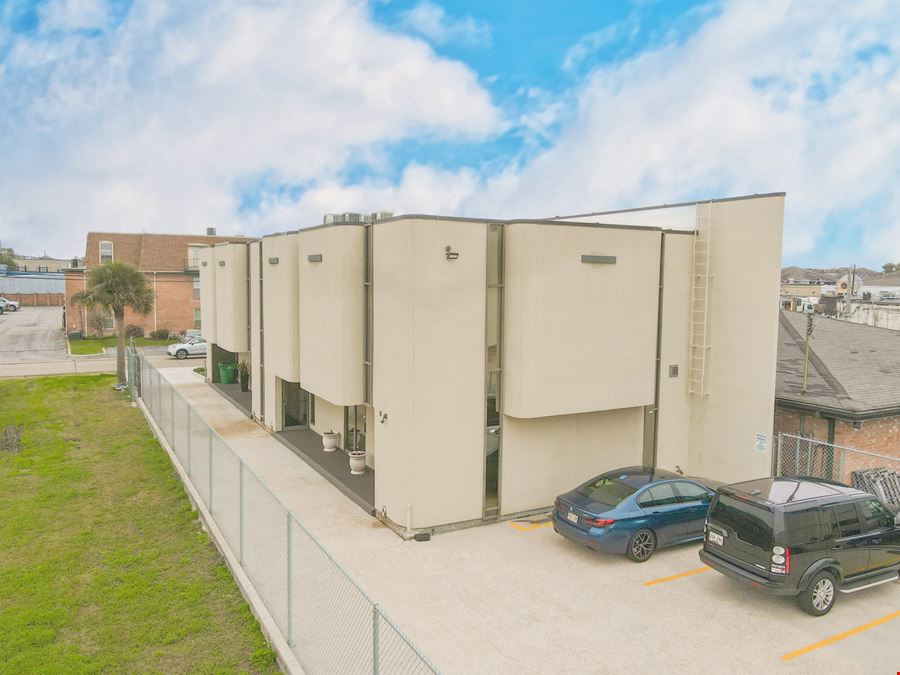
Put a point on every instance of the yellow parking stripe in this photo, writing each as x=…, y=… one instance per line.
x=682, y=575
x=531, y=526
x=840, y=636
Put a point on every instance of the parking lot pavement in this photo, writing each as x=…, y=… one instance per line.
x=515, y=597
x=531, y=601
x=32, y=334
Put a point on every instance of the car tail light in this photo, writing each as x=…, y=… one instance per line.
x=598, y=522
x=781, y=560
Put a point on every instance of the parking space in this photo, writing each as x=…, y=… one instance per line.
x=670, y=614
x=32, y=334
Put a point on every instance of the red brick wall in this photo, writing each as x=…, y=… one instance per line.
x=37, y=299
x=174, y=308
x=803, y=424
x=880, y=436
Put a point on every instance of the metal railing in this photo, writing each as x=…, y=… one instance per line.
x=869, y=471
x=330, y=623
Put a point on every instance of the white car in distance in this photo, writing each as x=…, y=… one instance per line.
x=195, y=346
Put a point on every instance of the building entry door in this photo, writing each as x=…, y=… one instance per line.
x=295, y=403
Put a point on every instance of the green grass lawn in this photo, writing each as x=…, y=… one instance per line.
x=97, y=345
x=103, y=564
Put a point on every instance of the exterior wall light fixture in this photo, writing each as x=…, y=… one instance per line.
x=221, y=263
x=273, y=261
x=203, y=264
x=315, y=257
x=450, y=253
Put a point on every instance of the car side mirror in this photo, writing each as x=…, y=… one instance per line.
x=707, y=498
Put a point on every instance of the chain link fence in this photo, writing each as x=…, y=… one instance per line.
x=869, y=471
x=330, y=623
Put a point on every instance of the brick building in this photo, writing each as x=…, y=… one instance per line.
x=852, y=396
x=168, y=261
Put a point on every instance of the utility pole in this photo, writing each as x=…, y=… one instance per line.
x=848, y=299
x=809, y=332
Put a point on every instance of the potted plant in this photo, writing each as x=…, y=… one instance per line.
x=244, y=375
x=357, y=462
x=330, y=441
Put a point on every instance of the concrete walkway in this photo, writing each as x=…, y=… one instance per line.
x=517, y=598
x=82, y=365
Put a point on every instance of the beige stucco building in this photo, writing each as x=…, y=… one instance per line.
x=487, y=366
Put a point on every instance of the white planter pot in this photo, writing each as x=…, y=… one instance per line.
x=329, y=442
x=357, y=463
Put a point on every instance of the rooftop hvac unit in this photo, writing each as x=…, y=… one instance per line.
x=210, y=232
x=346, y=217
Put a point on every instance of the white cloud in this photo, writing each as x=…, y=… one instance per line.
x=432, y=22
x=74, y=15
x=153, y=124
x=592, y=42
x=736, y=108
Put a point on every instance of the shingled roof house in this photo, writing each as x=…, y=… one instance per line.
x=170, y=264
x=853, y=387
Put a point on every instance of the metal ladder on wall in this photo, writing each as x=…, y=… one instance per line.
x=700, y=302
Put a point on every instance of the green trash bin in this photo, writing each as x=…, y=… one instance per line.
x=227, y=371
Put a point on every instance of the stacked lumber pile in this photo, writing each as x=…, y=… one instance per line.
x=883, y=483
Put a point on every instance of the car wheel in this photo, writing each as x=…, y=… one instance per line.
x=820, y=596
x=181, y=354
x=641, y=545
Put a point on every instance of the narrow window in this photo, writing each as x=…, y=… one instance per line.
x=493, y=369
x=106, y=252
x=192, y=262
x=197, y=317
x=196, y=287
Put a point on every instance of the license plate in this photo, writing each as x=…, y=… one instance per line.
x=572, y=517
x=715, y=538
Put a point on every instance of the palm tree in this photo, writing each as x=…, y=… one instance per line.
x=112, y=287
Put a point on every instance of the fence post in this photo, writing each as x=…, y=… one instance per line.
x=376, y=666
x=210, y=469
x=290, y=618
x=809, y=454
x=776, y=468
x=841, y=455
x=189, y=428
x=241, y=513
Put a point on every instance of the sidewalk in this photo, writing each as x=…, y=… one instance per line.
x=82, y=365
x=72, y=366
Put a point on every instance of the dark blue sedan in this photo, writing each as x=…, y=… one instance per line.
x=635, y=511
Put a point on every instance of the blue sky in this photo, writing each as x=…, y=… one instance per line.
x=256, y=117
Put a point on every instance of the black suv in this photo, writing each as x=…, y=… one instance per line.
x=802, y=536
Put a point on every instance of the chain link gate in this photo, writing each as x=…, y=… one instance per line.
x=868, y=471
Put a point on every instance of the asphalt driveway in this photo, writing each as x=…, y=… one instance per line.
x=32, y=334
